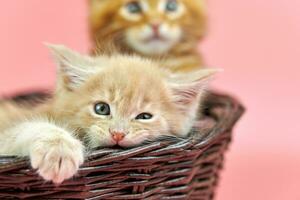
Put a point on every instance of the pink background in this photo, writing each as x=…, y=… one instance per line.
x=256, y=42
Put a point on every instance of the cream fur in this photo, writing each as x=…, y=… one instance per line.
x=130, y=85
x=53, y=151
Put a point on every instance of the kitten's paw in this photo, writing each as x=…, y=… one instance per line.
x=57, y=158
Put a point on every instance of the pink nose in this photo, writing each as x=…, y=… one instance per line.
x=118, y=136
x=155, y=27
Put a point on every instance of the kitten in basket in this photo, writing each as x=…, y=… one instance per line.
x=170, y=29
x=99, y=101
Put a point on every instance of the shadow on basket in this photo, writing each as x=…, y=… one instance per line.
x=166, y=169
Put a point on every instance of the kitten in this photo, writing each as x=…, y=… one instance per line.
x=170, y=29
x=104, y=101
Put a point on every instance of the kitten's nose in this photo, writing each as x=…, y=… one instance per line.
x=155, y=27
x=118, y=136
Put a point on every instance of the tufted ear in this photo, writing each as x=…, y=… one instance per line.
x=73, y=68
x=188, y=87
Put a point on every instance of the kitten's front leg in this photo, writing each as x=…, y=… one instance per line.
x=53, y=151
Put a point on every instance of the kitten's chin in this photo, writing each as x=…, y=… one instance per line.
x=126, y=144
x=152, y=47
x=111, y=143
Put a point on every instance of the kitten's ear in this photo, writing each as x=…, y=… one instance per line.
x=73, y=68
x=187, y=88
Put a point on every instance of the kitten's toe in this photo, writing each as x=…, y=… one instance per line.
x=59, y=160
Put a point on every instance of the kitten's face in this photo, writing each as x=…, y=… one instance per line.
x=154, y=27
x=125, y=100
x=126, y=107
x=150, y=27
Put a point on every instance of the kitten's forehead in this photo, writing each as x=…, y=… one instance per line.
x=130, y=83
x=134, y=75
x=151, y=4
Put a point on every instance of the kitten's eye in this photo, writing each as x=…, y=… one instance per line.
x=144, y=116
x=102, y=109
x=172, y=6
x=134, y=7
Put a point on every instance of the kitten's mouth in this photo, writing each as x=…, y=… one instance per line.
x=155, y=38
x=117, y=144
x=122, y=144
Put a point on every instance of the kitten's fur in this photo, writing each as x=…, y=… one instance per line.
x=181, y=30
x=52, y=133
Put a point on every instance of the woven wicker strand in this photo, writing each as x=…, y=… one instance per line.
x=169, y=169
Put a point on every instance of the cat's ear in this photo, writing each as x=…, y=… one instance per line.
x=73, y=68
x=187, y=88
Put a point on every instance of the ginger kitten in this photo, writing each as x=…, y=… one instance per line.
x=104, y=101
x=170, y=29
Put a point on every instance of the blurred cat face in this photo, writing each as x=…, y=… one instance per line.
x=124, y=100
x=154, y=27
x=150, y=27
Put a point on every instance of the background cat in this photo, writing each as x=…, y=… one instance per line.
x=157, y=28
x=101, y=101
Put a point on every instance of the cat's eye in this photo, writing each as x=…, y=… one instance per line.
x=102, y=108
x=144, y=116
x=172, y=5
x=134, y=7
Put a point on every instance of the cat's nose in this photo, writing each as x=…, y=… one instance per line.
x=118, y=136
x=155, y=27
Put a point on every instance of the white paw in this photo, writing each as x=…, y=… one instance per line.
x=58, y=157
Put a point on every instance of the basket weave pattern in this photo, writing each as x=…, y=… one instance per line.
x=174, y=169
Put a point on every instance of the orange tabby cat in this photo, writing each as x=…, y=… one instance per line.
x=103, y=101
x=154, y=28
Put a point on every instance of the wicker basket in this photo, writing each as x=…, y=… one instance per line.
x=170, y=169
